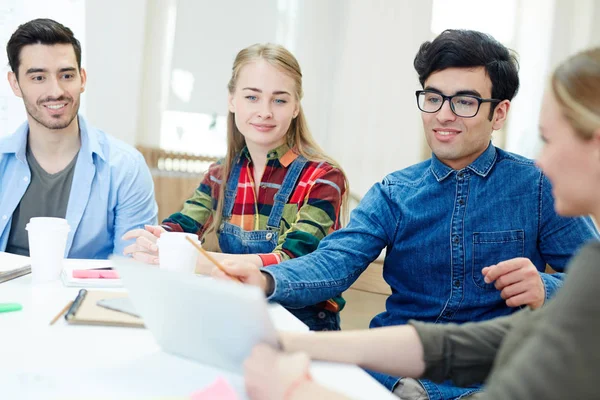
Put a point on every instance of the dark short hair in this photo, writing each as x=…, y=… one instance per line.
x=458, y=48
x=39, y=31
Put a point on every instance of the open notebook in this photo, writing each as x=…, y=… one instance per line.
x=86, y=311
x=12, y=266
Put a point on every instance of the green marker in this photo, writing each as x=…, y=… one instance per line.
x=8, y=307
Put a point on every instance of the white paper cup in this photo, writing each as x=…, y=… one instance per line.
x=47, y=243
x=175, y=253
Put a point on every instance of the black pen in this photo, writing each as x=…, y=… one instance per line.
x=76, y=303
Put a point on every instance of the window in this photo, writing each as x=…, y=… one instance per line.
x=195, y=119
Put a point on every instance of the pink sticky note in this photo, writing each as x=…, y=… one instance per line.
x=219, y=389
x=94, y=274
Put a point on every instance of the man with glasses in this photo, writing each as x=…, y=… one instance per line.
x=442, y=221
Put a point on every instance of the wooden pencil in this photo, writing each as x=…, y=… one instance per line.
x=61, y=313
x=211, y=258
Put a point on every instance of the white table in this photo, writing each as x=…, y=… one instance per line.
x=38, y=361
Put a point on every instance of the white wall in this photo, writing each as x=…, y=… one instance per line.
x=319, y=38
x=374, y=125
x=115, y=32
x=548, y=32
x=533, y=43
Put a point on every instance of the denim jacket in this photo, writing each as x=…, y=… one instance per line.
x=440, y=227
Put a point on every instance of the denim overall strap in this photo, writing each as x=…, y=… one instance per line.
x=284, y=192
x=232, y=185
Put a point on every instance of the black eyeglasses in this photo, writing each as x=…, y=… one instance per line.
x=463, y=105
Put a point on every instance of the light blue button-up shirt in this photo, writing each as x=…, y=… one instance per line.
x=112, y=191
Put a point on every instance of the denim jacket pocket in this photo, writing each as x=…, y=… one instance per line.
x=490, y=248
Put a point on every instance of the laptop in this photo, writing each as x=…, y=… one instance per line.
x=206, y=320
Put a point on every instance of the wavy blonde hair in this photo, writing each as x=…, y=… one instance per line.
x=576, y=86
x=298, y=136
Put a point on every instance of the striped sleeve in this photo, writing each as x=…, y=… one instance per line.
x=196, y=213
x=318, y=216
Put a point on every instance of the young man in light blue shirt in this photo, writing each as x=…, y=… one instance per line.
x=55, y=164
x=442, y=221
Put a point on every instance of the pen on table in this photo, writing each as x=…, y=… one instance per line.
x=8, y=307
x=76, y=303
x=211, y=258
x=64, y=310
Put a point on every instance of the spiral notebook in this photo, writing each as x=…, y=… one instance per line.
x=13, y=266
x=86, y=311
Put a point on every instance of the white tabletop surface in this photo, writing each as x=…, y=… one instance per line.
x=38, y=361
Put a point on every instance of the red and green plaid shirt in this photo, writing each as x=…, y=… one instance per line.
x=311, y=213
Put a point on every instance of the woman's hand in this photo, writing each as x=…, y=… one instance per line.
x=144, y=248
x=270, y=374
x=245, y=271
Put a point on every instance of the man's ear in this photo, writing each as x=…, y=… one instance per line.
x=14, y=84
x=83, y=79
x=500, y=115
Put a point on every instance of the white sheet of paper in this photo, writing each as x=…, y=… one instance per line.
x=9, y=261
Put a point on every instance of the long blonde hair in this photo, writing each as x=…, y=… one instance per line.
x=298, y=135
x=576, y=86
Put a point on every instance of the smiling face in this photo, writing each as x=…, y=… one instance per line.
x=264, y=103
x=458, y=141
x=50, y=84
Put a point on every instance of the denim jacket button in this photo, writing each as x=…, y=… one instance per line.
x=456, y=283
x=321, y=314
x=269, y=236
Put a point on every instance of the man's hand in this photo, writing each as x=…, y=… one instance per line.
x=519, y=281
x=246, y=272
x=144, y=248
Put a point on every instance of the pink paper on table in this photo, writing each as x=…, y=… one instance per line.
x=94, y=274
x=219, y=389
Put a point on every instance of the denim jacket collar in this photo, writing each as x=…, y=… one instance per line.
x=481, y=166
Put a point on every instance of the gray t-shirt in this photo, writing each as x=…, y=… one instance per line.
x=46, y=196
